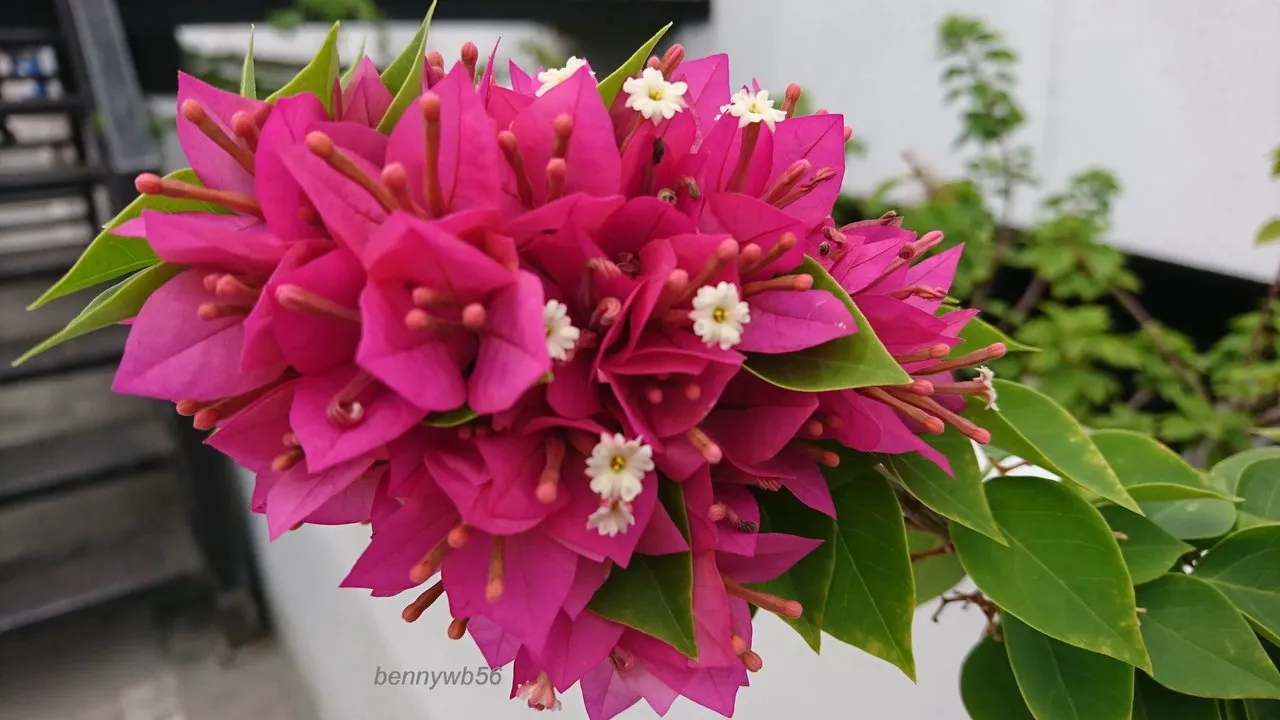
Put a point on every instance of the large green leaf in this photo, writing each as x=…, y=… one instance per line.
x=936, y=574
x=1153, y=702
x=410, y=87
x=978, y=333
x=118, y=302
x=612, y=85
x=1149, y=470
x=1260, y=488
x=1038, y=429
x=111, y=256
x=317, y=76
x=872, y=596
x=858, y=360
x=1197, y=519
x=1199, y=644
x=654, y=595
x=248, y=81
x=1061, y=573
x=1062, y=682
x=1228, y=470
x=959, y=497
x=808, y=581
x=987, y=685
x=1148, y=551
x=1262, y=709
x=1246, y=568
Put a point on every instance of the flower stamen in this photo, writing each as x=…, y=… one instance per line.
x=195, y=114
x=433, y=194
x=414, y=610
x=764, y=601
x=150, y=184
x=298, y=299
x=321, y=145
x=511, y=152
x=494, y=588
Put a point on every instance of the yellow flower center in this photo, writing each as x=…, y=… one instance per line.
x=618, y=464
x=719, y=315
x=655, y=94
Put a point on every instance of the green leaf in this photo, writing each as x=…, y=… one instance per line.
x=978, y=333
x=452, y=418
x=858, y=360
x=935, y=574
x=1262, y=709
x=410, y=87
x=1228, y=470
x=808, y=581
x=653, y=595
x=1269, y=232
x=959, y=498
x=988, y=687
x=118, y=302
x=671, y=495
x=318, y=75
x=1062, y=682
x=1245, y=567
x=612, y=85
x=1198, y=519
x=1043, y=433
x=248, y=82
x=1148, y=551
x=398, y=71
x=355, y=63
x=110, y=256
x=1260, y=488
x=1149, y=470
x=1153, y=702
x=1199, y=644
x=1061, y=573
x=872, y=596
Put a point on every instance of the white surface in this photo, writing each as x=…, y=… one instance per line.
x=1180, y=98
x=339, y=638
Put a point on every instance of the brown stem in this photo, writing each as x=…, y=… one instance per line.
x=976, y=597
x=1030, y=298
x=1148, y=324
x=944, y=549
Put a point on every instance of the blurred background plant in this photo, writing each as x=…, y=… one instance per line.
x=1058, y=286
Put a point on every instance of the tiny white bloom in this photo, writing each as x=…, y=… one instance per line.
x=539, y=695
x=753, y=108
x=718, y=315
x=617, y=466
x=653, y=97
x=985, y=376
x=562, y=336
x=612, y=518
x=555, y=76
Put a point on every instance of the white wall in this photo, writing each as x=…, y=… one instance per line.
x=1180, y=98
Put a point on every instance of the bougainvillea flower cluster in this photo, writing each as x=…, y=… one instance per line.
x=542, y=337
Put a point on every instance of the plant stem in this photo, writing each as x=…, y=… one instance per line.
x=1030, y=298
x=1148, y=324
x=943, y=549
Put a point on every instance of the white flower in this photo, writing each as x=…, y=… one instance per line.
x=718, y=315
x=617, y=466
x=653, y=97
x=755, y=108
x=562, y=336
x=539, y=694
x=611, y=518
x=555, y=76
x=985, y=376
